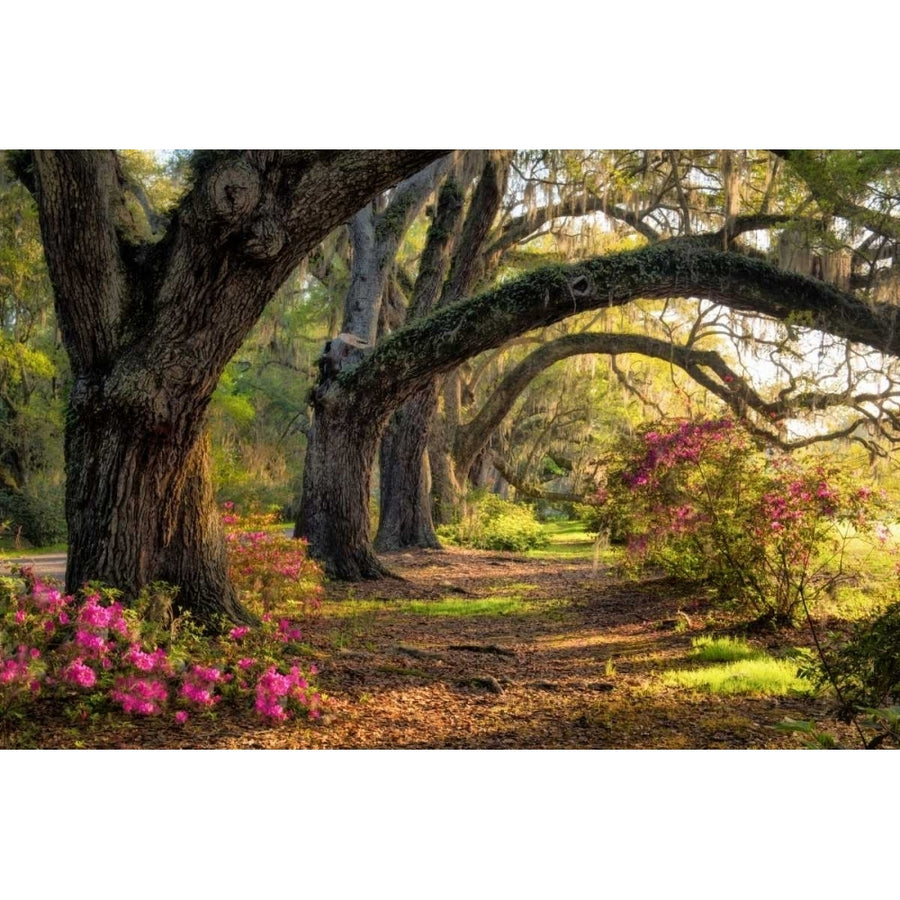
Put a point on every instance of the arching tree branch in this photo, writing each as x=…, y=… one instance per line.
x=681, y=268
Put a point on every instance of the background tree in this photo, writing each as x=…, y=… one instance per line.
x=726, y=198
x=366, y=394
x=33, y=377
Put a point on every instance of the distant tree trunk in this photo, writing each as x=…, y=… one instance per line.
x=445, y=490
x=337, y=476
x=405, y=519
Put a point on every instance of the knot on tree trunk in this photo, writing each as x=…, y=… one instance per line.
x=265, y=238
x=234, y=191
x=580, y=286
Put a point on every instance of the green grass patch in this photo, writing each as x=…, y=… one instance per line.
x=566, y=540
x=762, y=677
x=453, y=606
x=9, y=550
x=723, y=650
x=738, y=668
x=566, y=532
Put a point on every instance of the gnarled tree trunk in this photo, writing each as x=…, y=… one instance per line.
x=149, y=329
x=140, y=506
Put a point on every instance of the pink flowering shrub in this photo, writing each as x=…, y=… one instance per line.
x=269, y=569
x=705, y=505
x=277, y=694
x=92, y=648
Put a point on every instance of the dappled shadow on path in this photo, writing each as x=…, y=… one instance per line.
x=577, y=664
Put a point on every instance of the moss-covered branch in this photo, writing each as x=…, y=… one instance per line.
x=676, y=268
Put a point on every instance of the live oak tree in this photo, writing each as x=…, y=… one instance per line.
x=353, y=405
x=149, y=325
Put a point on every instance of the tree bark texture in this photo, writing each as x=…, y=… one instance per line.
x=405, y=519
x=334, y=509
x=149, y=329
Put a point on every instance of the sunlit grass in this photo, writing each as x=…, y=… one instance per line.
x=461, y=607
x=564, y=532
x=569, y=540
x=742, y=669
x=9, y=550
x=762, y=677
x=722, y=650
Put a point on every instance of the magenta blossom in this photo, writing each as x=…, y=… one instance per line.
x=78, y=673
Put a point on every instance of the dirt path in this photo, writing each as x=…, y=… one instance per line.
x=578, y=667
x=489, y=650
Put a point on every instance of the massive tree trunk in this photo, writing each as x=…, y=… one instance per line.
x=149, y=329
x=334, y=509
x=140, y=506
x=411, y=358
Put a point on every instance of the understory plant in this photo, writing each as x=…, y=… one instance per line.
x=864, y=671
x=94, y=652
x=273, y=572
x=767, y=531
x=492, y=523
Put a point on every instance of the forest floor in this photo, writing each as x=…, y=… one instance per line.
x=493, y=650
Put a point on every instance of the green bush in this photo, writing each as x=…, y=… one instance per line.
x=491, y=523
x=866, y=669
x=37, y=511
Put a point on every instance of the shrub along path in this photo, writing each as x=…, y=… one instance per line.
x=490, y=650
